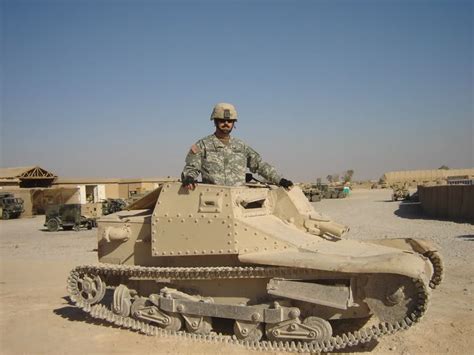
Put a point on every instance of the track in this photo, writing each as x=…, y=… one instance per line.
x=103, y=312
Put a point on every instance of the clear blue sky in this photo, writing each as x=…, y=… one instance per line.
x=123, y=88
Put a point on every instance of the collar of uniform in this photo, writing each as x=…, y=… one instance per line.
x=218, y=143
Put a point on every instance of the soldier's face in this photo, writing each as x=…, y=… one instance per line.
x=224, y=126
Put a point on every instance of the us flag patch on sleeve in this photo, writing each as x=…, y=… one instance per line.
x=195, y=149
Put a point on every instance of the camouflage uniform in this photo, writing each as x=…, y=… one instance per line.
x=225, y=164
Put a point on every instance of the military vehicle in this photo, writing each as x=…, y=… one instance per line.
x=67, y=217
x=112, y=205
x=181, y=262
x=400, y=192
x=332, y=191
x=10, y=206
x=312, y=192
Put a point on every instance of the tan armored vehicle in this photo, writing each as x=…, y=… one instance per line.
x=261, y=258
x=400, y=192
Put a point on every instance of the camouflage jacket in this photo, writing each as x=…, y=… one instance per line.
x=225, y=164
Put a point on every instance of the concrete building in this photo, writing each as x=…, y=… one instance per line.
x=419, y=177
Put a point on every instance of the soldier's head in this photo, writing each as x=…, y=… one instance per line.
x=224, y=116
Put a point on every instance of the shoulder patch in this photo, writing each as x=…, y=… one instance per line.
x=194, y=149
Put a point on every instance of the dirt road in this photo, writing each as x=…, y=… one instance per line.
x=35, y=317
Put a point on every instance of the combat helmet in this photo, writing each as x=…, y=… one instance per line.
x=224, y=111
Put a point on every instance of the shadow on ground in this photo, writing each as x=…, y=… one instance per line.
x=410, y=210
x=467, y=237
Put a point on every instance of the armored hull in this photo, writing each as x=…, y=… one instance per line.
x=258, y=257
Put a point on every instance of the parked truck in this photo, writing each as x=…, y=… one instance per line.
x=10, y=206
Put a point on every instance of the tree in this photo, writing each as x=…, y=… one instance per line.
x=348, y=175
x=329, y=178
x=443, y=167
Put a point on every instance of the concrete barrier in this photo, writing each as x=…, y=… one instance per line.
x=453, y=202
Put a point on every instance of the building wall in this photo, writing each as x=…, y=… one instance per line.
x=112, y=191
x=424, y=176
x=453, y=202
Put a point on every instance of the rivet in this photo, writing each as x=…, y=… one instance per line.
x=221, y=251
x=275, y=243
x=229, y=242
x=195, y=252
x=178, y=215
x=215, y=216
x=204, y=252
x=157, y=220
x=217, y=194
x=245, y=250
x=159, y=202
x=207, y=189
x=223, y=222
x=255, y=233
x=170, y=220
x=153, y=232
x=196, y=220
x=171, y=253
x=166, y=214
x=246, y=229
x=236, y=250
x=167, y=185
x=256, y=248
x=179, y=253
x=163, y=253
x=153, y=249
x=228, y=217
x=190, y=215
x=229, y=250
x=209, y=221
x=225, y=195
x=182, y=221
x=212, y=251
x=235, y=224
x=229, y=234
x=187, y=252
x=265, y=238
x=227, y=205
x=236, y=241
x=154, y=240
x=235, y=233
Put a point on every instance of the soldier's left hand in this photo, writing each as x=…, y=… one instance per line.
x=287, y=184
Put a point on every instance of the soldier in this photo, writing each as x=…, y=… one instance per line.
x=222, y=159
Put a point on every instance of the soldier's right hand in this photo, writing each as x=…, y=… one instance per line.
x=189, y=183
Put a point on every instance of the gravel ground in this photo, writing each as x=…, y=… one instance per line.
x=35, y=317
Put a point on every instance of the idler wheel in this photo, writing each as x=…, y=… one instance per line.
x=174, y=322
x=320, y=328
x=246, y=330
x=198, y=325
x=122, y=301
x=89, y=288
x=390, y=297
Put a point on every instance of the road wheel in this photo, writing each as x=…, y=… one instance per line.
x=53, y=225
x=76, y=227
x=5, y=215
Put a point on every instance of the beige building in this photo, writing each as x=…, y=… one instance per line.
x=426, y=176
x=95, y=190
x=39, y=188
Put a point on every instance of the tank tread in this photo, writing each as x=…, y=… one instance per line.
x=435, y=259
x=102, y=312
